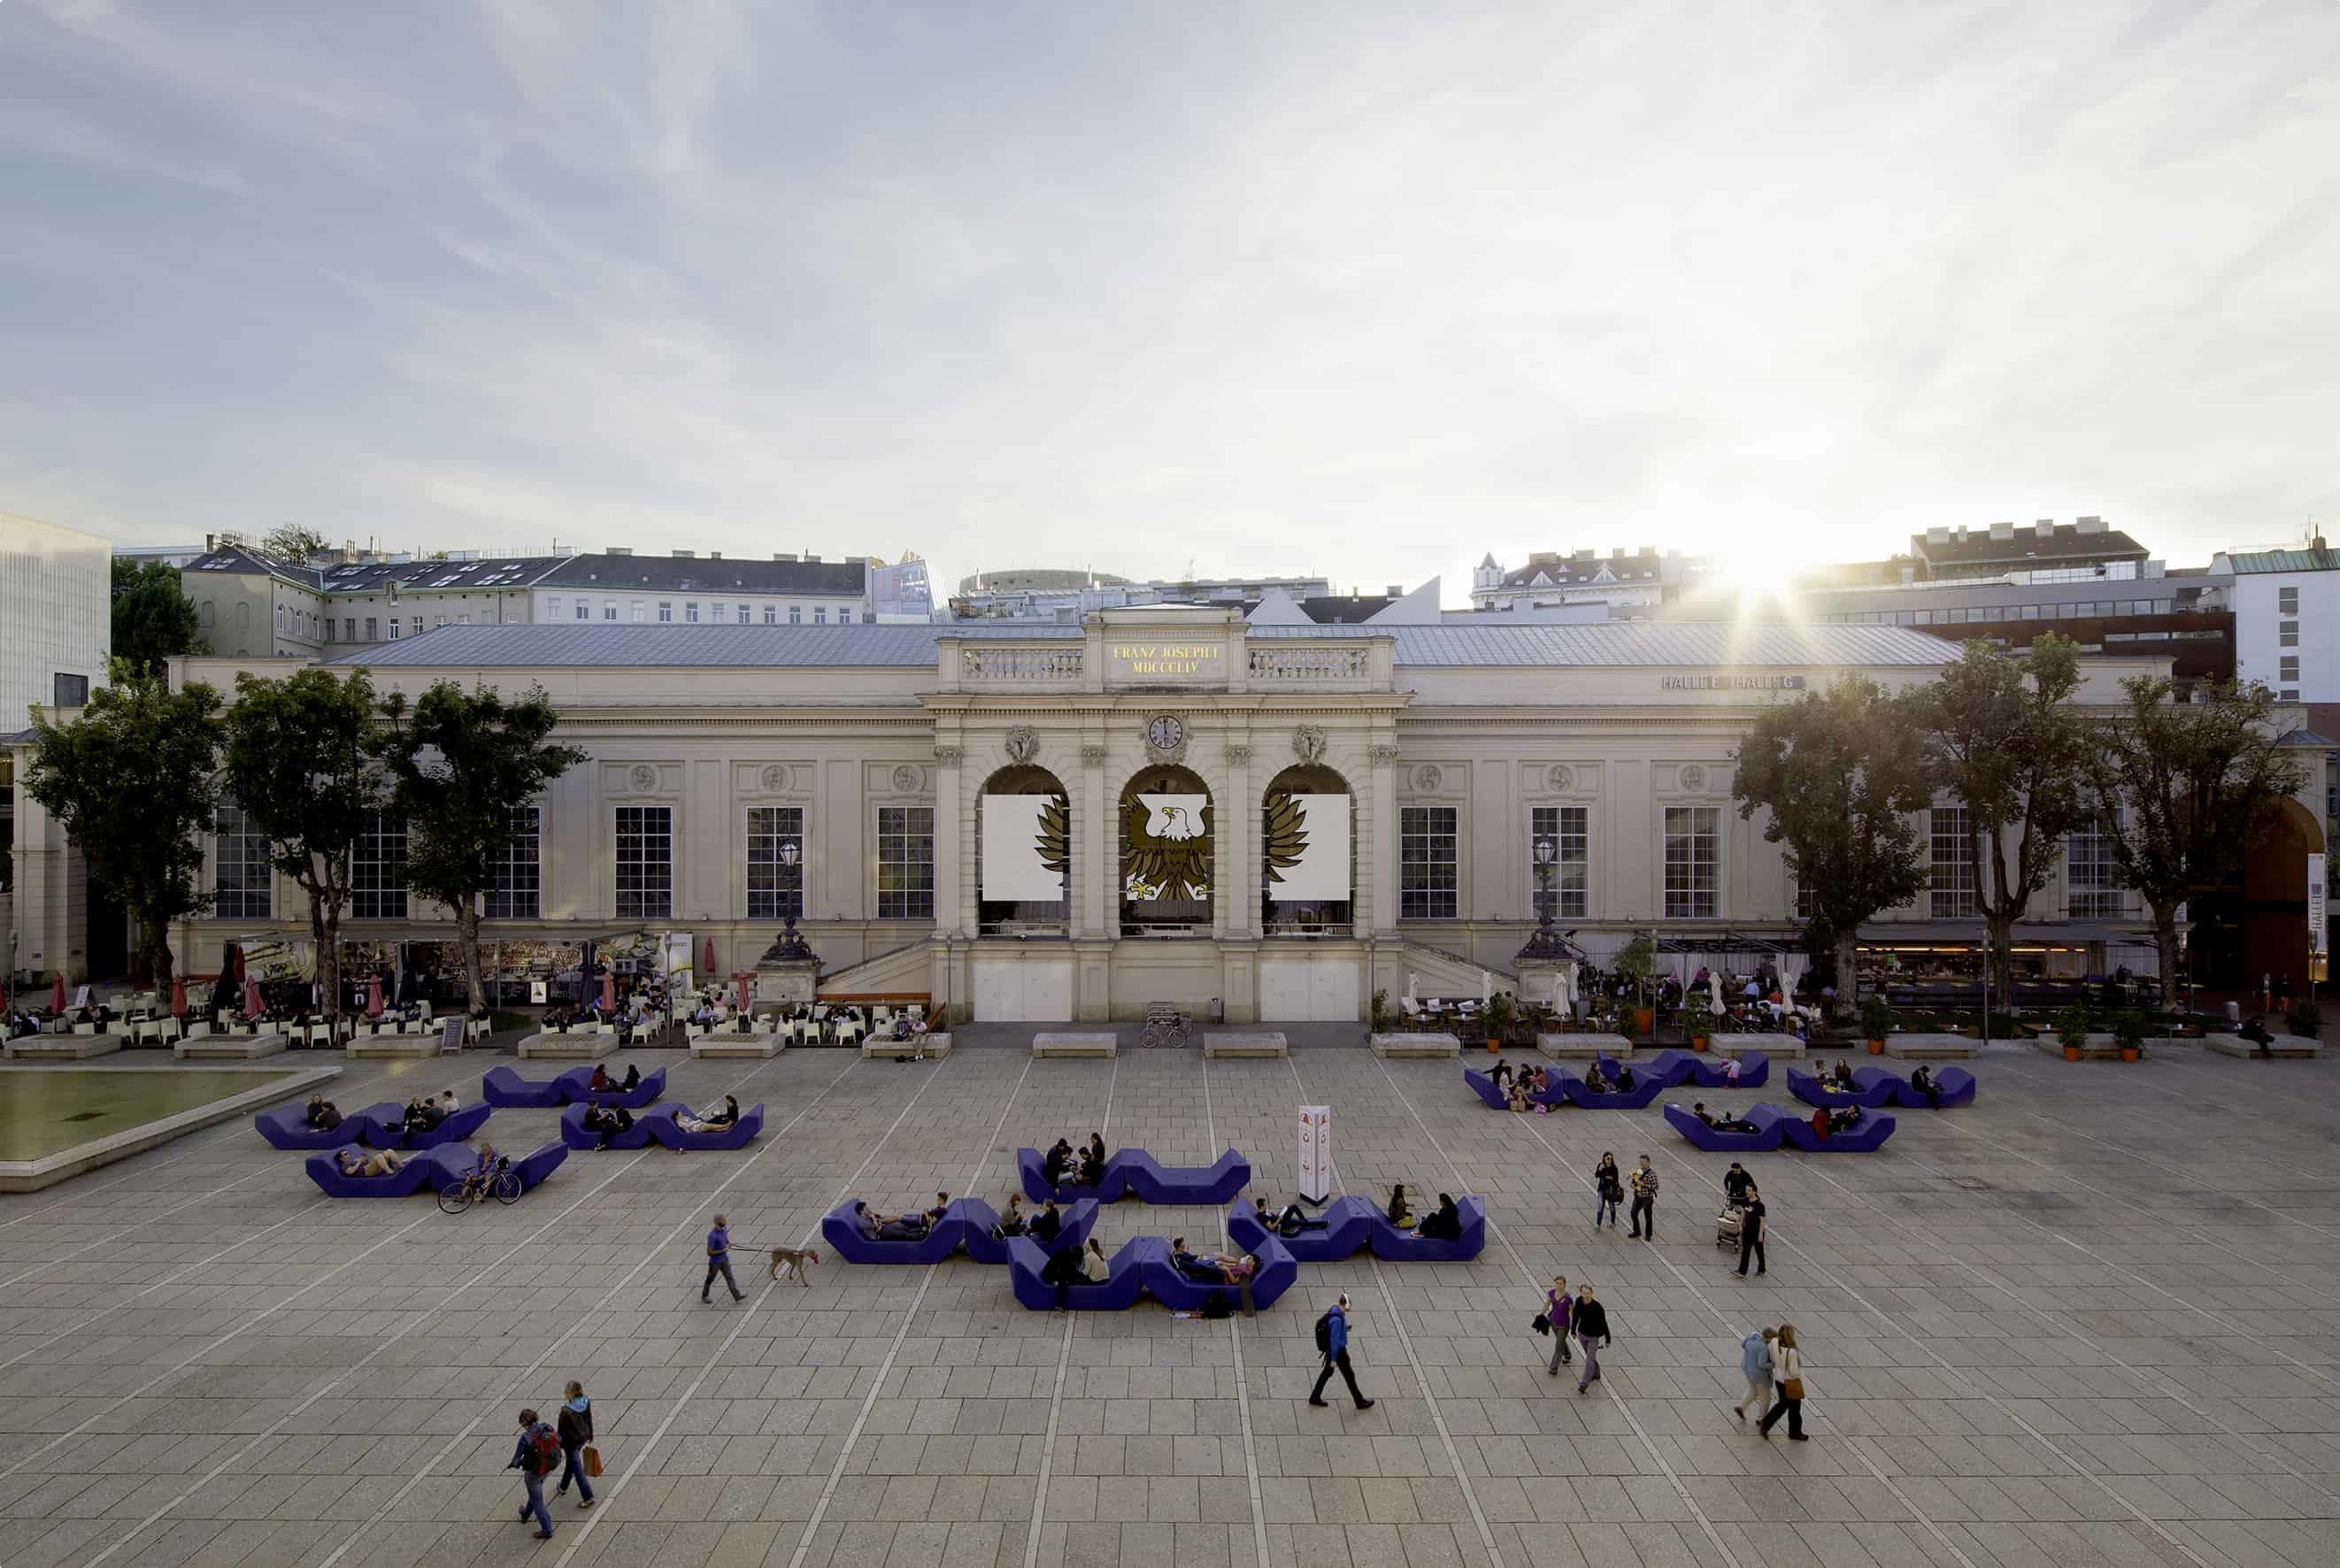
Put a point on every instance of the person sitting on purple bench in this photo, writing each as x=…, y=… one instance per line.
x=1594, y=1084
x=713, y=1120
x=607, y=1121
x=1075, y=1266
x=1624, y=1078
x=323, y=1114
x=1446, y=1225
x=1291, y=1222
x=1059, y=1158
x=1923, y=1082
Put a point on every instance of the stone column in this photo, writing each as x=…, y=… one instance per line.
x=954, y=895
x=1097, y=848
x=1379, y=849
x=1238, y=818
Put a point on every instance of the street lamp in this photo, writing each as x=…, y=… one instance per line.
x=1546, y=943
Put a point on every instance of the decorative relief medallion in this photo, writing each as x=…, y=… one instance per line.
x=1165, y=738
x=776, y=778
x=1238, y=755
x=907, y=778
x=1693, y=777
x=1022, y=744
x=643, y=777
x=1095, y=756
x=1560, y=780
x=1427, y=778
x=1382, y=756
x=1308, y=744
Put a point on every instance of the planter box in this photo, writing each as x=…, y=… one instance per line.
x=1582, y=1048
x=1244, y=1042
x=1069, y=1043
x=392, y=1048
x=1400, y=1044
x=73, y=1048
x=576, y=1046
x=1778, y=1044
x=2099, y=1048
x=933, y=1044
x=1931, y=1047
x=227, y=1047
x=729, y=1045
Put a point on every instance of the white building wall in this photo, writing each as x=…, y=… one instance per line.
x=2260, y=623
x=55, y=612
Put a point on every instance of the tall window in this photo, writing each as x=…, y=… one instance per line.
x=743, y=614
x=820, y=615
x=240, y=874
x=772, y=615
x=585, y=611
x=1952, y=878
x=1428, y=888
x=2091, y=891
x=690, y=613
x=609, y=609
x=666, y=610
x=518, y=875
x=796, y=615
x=1691, y=863
x=394, y=628
x=378, y=870
x=645, y=862
x=551, y=606
x=2286, y=601
x=1569, y=827
x=905, y=862
x=349, y=629
x=776, y=863
x=373, y=626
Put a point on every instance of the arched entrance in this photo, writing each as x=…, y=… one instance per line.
x=1024, y=855
x=1166, y=853
x=1307, y=854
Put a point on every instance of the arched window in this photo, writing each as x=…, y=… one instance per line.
x=1166, y=846
x=1307, y=854
x=1024, y=862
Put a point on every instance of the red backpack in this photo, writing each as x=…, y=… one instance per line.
x=543, y=1449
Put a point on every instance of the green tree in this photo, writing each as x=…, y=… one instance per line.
x=462, y=767
x=2008, y=746
x=292, y=544
x=2190, y=784
x=1841, y=774
x=153, y=619
x=133, y=782
x=305, y=761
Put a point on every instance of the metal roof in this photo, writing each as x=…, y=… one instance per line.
x=588, y=644
x=2258, y=560
x=710, y=575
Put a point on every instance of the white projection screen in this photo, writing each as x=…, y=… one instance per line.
x=1322, y=872
x=1013, y=870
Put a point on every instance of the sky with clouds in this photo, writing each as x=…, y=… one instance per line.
x=1353, y=289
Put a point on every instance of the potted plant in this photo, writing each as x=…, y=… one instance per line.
x=1698, y=1022
x=1381, y=1012
x=2304, y=1017
x=1876, y=1023
x=1638, y=961
x=2072, y=1030
x=2128, y=1033
x=1499, y=1019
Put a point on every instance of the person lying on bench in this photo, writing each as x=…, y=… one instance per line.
x=608, y=1121
x=1923, y=1082
x=1291, y=1222
x=933, y=1216
x=379, y=1163
x=877, y=1226
x=1399, y=1213
x=1725, y=1123
x=1446, y=1225
x=713, y=1120
x=1844, y=1118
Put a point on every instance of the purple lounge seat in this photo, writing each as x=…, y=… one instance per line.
x=1348, y=1226
x=456, y=1161
x=1873, y=1089
x=419, y=1173
x=1124, y=1283
x=382, y=1123
x=1028, y=1164
x=664, y=1127
x=1644, y=1090
x=1079, y=1219
x=1868, y=1137
x=1185, y=1292
x=1956, y=1085
x=637, y=1136
x=838, y=1228
x=575, y=1084
x=1148, y=1180
x=504, y=1089
x=286, y=1126
x=1754, y=1072
x=1720, y=1143
x=1391, y=1245
x=1670, y=1068
x=1555, y=1095
x=455, y=1129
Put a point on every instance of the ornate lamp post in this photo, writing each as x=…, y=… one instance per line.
x=1546, y=943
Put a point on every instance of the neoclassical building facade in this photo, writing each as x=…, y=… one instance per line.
x=1037, y=822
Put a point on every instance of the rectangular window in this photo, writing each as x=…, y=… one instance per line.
x=666, y=610
x=465, y=618
x=69, y=690
x=776, y=863
x=743, y=615
x=2286, y=634
x=642, y=613
x=905, y=862
x=394, y=628
x=350, y=630
x=715, y=612
x=1569, y=878
x=378, y=869
x=585, y=612
x=772, y=615
x=1429, y=886
x=1951, y=881
x=2287, y=695
x=2290, y=666
x=373, y=632
x=2286, y=601
x=552, y=607
x=690, y=613
x=2091, y=891
x=442, y=621
x=796, y=615
x=820, y=615
x=240, y=874
x=645, y=862
x=518, y=876
x=1692, y=863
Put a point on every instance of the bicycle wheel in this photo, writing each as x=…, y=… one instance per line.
x=1150, y=1036
x=507, y=1187
x=455, y=1196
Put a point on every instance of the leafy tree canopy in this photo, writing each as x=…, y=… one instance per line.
x=152, y=618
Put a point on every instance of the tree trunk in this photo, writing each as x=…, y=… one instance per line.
x=328, y=970
x=468, y=919
x=2165, y=940
x=1847, y=976
x=156, y=934
x=2001, y=959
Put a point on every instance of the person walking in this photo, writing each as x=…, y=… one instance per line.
x=1750, y=1231
x=1644, y=1212
x=1592, y=1321
x=1558, y=1311
x=576, y=1431
x=536, y=1456
x=1755, y=1361
x=718, y=1261
x=1332, y=1339
x=1788, y=1363
x=1609, y=1190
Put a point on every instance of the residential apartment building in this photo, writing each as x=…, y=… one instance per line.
x=1628, y=582
x=1045, y=593
x=2287, y=623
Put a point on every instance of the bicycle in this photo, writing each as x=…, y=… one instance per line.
x=1170, y=1027
x=476, y=1185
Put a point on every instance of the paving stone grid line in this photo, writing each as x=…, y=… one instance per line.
x=2088, y=1321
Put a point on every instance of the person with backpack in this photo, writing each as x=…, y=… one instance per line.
x=1332, y=1341
x=1644, y=1212
x=576, y=1433
x=718, y=1261
x=536, y=1456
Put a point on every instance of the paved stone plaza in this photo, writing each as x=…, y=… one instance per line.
x=2025, y=1344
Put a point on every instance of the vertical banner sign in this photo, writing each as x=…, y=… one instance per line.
x=2319, y=941
x=1316, y=1153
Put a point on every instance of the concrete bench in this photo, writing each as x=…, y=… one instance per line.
x=228, y=1047
x=1573, y=1047
x=2099, y=1048
x=1931, y=1047
x=1102, y=1043
x=576, y=1046
x=764, y=1044
x=932, y=1045
x=1244, y=1042
x=73, y=1047
x=1443, y=1047
x=1778, y=1044
x=392, y=1046
x=2284, y=1045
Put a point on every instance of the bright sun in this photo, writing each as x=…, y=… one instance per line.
x=1762, y=579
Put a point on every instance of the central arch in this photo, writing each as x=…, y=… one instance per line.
x=1167, y=846
x=1308, y=854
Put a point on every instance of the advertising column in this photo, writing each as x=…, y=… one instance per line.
x=1316, y=1153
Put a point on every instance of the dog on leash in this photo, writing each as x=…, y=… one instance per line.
x=796, y=1262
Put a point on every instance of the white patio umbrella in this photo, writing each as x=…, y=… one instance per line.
x=1714, y=988
x=1486, y=987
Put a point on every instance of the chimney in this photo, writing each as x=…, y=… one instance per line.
x=619, y=549
x=2088, y=525
x=2002, y=533
x=812, y=558
x=1937, y=536
x=714, y=555
x=1397, y=590
x=682, y=555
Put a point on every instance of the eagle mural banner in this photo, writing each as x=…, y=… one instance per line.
x=1307, y=849
x=1165, y=847
x=1024, y=848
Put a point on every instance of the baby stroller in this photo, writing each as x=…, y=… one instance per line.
x=1727, y=1224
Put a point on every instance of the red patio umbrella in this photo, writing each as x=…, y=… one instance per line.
x=178, y=995
x=710, y=955
x=373, y=996
x=253, y=1005
x=57, y=994
x=609, y=993
x=743, y=992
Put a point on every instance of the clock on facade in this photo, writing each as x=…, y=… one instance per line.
x=1166, y=733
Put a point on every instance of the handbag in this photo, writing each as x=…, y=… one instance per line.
x=1792, y=1388
x=590, y=1458
x=1542, y=1324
